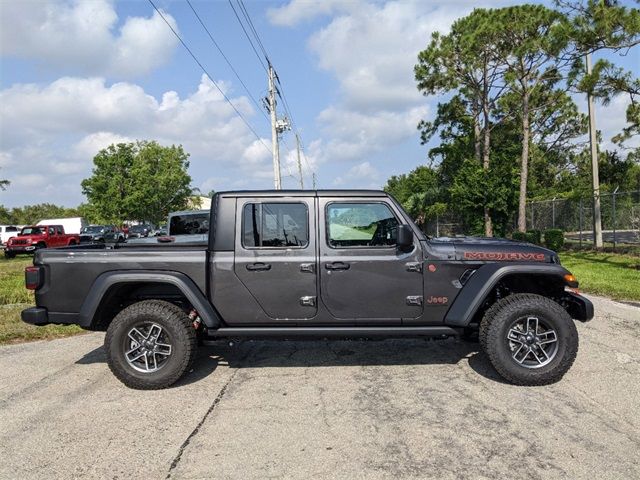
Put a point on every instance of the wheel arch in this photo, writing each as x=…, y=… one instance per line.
x=100, y=304
x=522, y=278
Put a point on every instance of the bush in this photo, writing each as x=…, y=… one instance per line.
x=554, y=239
x=534, y=236
x=530, y=236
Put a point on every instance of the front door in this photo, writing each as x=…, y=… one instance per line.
x=364, y=276
x=54, y=239
x=275, y=255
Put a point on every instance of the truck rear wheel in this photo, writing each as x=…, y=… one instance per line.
x=529, y=339
x=150, y=345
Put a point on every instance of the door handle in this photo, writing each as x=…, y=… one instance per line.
x=337, y=266
x=258, y=267
x=307, y=267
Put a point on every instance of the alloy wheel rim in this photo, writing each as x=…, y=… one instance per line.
x=532, y=342
x=147, y=347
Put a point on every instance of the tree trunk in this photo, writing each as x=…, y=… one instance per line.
x=524, y=167
x=488, y=223
x=477, y=132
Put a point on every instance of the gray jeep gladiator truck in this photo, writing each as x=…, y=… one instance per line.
x=311, y=264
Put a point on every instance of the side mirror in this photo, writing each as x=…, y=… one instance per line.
x=405, y=236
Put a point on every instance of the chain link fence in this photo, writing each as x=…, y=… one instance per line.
x=620, y=212
x=448, y=224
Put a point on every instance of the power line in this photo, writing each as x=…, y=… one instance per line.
x=248, y=37
x=260, y=109
x=280, y=91
x=283, y=97
x=247, y=17
x=209, y=76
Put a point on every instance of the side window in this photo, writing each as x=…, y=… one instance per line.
x=52, y=231
x=189, y=224
x=59, y=231
x=361, y=225
x=11, y=229
x=275, y=225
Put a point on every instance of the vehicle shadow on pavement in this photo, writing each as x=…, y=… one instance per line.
x=204, y=365
x=345, y=353
x=327, y=353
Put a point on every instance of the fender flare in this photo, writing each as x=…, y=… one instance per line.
x=478, y=287
x=187, y=286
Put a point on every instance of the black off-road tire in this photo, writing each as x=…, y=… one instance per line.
x=9, y=255
x=493, y=338
x=183, y=341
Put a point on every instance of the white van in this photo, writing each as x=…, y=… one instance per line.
x=71, y=225
x=8, y=231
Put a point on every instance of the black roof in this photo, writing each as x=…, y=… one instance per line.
x=303, y=193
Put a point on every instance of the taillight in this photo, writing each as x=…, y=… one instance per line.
x=32, y=277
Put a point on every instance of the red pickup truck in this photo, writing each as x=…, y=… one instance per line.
x=34, y=237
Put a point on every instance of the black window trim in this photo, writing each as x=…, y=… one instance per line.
x=357, y=247
x=294, y=247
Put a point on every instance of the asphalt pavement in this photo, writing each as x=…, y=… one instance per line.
x=325, y=409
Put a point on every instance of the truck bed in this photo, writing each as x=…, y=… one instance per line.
x=73, y=270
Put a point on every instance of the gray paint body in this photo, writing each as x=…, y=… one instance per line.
x=373, y=292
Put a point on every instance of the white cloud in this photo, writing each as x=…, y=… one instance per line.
x=611, y=119
x=6, y=159
x=81, y=37
x=298, y=11
x=360, y=175
x=94, y=142
x=371, y=49
x=56, y=129
x=353, y=134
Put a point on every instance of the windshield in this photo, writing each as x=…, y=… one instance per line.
x=93, y=229
x=138, y=228
x=31, y=231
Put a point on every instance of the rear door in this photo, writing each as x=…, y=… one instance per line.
x=275, y=255
x=61, y=239
x=364, y=276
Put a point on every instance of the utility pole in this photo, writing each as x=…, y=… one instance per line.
x=277, y=127
x=299, y=162
x=277, y=179
x=313, y=178
x=595, y=176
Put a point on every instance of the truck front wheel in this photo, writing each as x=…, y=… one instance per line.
x=529, y=339
x=150, y=345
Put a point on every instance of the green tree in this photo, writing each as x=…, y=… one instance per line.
x=598, y=25
x=5, y=215
x=532, y=38
x=418, y=192
x=467, y=61
x=31, y=214
x=137, y=181
x=4, y=184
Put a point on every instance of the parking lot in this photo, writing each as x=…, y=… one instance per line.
x=325, y=409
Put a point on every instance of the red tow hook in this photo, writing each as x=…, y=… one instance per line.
x=196, y=321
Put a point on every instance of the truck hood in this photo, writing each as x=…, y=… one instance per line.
x=485, y=249
x=26, y=238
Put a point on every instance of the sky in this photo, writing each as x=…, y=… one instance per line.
x=76, y=76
